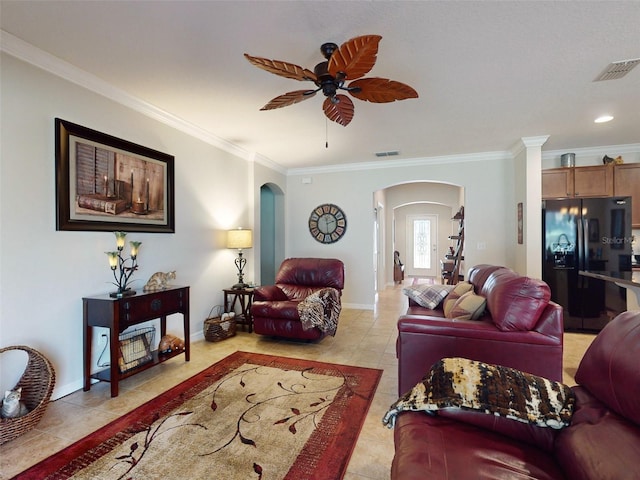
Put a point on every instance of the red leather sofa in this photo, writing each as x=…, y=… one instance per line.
x=602, y=441
x=521, y=328
x=275, y=307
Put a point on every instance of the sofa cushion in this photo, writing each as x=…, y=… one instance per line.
x=515, y=302
x=543, y=438
x=493, y=389
x=599, y=444
x=460, y=289
x=440, y=448
x=468, y=307
x=609, y=368
x=428, y=296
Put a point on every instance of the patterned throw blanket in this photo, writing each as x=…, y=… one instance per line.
x=321, y=309
x=492, y=389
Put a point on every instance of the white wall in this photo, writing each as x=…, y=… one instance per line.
x=489, y=203
x=44, y=273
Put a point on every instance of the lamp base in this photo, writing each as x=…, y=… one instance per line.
x=127, y=293
x=240, y=286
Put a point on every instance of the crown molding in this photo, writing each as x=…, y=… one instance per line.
x=602, y=150
x=26, y=52
x=528, y=142
x=408, y=163
x=267, y=162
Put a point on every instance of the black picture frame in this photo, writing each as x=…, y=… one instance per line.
x=104, y=183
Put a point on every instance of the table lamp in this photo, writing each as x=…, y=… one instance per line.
x=240, y=238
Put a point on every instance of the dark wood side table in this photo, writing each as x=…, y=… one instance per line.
x=117, y=314
x=243, y=297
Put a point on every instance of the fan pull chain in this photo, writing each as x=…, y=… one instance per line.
x=326, y=132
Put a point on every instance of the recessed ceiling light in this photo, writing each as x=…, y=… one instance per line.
x=603, y=119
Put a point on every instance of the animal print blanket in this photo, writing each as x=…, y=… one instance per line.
x=321, y=309
x=492, y=389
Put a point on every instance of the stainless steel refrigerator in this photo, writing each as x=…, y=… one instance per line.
x=586, y=234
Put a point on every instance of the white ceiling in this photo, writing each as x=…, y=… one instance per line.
x=488, y=73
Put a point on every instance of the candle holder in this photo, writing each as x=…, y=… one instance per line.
x=121, y=270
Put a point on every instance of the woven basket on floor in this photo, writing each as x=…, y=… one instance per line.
x=37, y=383
x=215, y=328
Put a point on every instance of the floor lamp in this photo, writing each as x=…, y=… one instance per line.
x=240, y=239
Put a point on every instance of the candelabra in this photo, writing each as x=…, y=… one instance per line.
x=121, y=270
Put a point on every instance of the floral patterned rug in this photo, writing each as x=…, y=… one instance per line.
x=249, y=416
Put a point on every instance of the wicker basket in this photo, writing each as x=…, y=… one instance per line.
x=215, y=328
x=135, y=348
x=37, y=383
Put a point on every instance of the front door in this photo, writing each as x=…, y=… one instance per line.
x=422, y=245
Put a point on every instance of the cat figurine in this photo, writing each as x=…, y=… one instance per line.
x=12, y=406
x=158, y=281
x=171, y=343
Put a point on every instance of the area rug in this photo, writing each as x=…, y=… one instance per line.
x=249, y=416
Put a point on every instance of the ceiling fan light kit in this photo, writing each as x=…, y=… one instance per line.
x=349, y=62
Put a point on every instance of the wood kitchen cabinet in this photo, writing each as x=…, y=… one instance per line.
x=596, y=181
x=626, y=182
x=557, y=183
x=578, y=182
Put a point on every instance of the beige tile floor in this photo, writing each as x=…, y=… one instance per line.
x=365, y=338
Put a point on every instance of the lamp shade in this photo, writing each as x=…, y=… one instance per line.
x=239, y=238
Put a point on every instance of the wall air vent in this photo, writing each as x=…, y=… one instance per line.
x=392, y=153
x=617, y=70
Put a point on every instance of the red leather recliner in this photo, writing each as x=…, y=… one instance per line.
x=275, y=307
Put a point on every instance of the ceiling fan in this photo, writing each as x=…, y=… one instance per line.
x=354, y=59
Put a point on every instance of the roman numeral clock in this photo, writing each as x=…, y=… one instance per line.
x=327, y=223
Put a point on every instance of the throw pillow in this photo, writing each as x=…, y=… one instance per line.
x=468, y=307
x=428, y=296
x=460, y=289
x=493, y=389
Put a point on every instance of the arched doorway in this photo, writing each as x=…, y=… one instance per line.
x=271, y=232
x=409, y=200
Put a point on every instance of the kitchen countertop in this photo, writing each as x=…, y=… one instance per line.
x=631, y=279
x=628, y=280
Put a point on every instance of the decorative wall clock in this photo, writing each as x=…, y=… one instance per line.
x=327, y=223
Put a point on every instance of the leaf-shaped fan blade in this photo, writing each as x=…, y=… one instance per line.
x=289, y=99
x=381, y=90
x=284, y=69
x=355, y=57
x=340, y=112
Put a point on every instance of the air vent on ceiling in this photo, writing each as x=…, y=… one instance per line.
x=392, y=153
x=617, y=70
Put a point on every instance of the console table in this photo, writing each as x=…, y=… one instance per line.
x=244, y=298
x=117, y=314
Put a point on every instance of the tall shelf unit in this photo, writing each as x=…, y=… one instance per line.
x=451, y=265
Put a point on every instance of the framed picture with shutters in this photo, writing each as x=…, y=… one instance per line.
x=104, y=183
